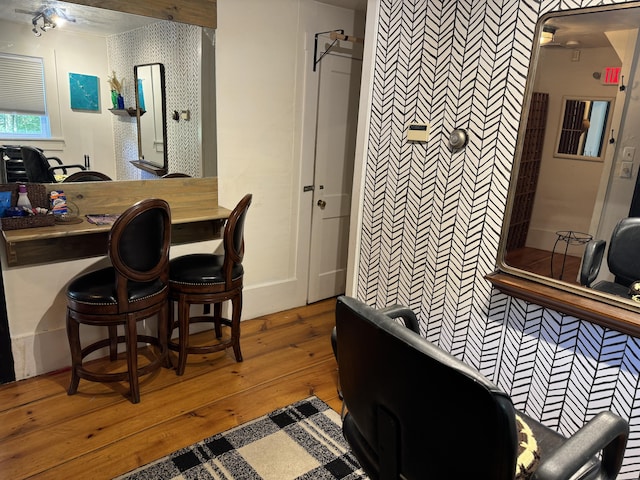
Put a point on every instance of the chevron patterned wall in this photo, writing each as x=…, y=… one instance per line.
x=432, y=218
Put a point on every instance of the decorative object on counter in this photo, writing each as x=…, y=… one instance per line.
x=37, y=216
x=5, y=201
x=58, y=202
x=102, y=218
x=84, y=92
x=23, y=197
x=116, y=91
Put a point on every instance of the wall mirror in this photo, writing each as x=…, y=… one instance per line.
x=127, y=34
x=584, y=126
x=560, y=199
x=151, y=117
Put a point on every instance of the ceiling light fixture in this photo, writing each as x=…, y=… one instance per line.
x=547, y=35
x=47, y=19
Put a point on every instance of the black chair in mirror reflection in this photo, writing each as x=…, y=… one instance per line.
x=28, y=164
x=43, y=169
x=209, y=279
x=134, y=288
x=459, y=424
x=623, y=259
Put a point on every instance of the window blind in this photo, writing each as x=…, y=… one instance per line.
x=22, y=85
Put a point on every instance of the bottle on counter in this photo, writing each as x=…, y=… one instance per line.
x=23, y=198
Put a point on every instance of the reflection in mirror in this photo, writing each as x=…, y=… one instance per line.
x=103, y=41
x=583, y=129
x=560, y=199
x=151, y=107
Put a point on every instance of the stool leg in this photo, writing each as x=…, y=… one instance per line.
x=113, y=342
x=217, y=315
x=163, y=334
x=73, y=334
x=236, y=305
x=131, y=339
x=183, y=334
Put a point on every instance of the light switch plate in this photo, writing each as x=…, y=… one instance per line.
x=625, y=169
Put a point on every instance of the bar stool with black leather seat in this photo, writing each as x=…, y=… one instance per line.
x=210, y=279
x=134, y=288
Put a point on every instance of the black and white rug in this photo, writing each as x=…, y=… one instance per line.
x=302, y=441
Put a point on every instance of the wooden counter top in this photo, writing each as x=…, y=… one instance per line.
x=195, y=216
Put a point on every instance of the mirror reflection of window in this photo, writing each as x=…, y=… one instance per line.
x=583, y=130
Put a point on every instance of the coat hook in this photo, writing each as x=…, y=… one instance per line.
x=622, y=87
x=612, y=140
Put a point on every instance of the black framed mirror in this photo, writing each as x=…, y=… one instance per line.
x=151, y=117
x=563, y=198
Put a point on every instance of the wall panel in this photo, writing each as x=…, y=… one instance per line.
x=432, y=218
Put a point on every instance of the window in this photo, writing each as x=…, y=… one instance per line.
x=23, y=112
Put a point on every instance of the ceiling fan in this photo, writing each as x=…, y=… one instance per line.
x=49, y=16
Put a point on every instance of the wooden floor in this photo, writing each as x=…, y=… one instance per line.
x=539, y=261
x=98, y=434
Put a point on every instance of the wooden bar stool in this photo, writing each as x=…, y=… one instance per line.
x=134, y=288
x=209, y=279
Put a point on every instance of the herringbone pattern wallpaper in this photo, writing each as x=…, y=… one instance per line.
x=432, y=218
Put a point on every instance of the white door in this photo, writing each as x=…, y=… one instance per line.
x=338, y=95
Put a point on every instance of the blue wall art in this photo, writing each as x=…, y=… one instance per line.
x=84, y=92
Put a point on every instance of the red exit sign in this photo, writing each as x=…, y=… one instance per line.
x=611, y=76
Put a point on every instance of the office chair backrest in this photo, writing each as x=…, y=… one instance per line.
x=413, y=409
x=36, y=165
x=234, y=240
x=623, y=257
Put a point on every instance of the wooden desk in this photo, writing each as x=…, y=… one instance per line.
x=195, y=217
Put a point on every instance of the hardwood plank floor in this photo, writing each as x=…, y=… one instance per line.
x=98, y=433
x=539, y=261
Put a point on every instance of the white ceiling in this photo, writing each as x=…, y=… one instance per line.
x=587, y=29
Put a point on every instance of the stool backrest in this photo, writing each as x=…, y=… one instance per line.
x=139, y=244
x=234, y=238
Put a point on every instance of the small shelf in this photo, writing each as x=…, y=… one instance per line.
x=147, y=167
x=126, y=111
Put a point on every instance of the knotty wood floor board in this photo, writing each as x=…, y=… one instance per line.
x=98, y=433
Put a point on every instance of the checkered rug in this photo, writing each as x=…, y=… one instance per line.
x=301, y=441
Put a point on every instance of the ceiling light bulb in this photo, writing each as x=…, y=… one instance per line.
x=36, y=32
x=548, y=32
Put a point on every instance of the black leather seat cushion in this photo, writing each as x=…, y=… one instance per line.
x=200, y=268
x=98, y=287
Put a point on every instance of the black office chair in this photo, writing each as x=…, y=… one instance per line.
x=87, y=176
x=210, y=279
x=623, y=259
x=134, y=288
x=39, y=168
x=415, y=412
